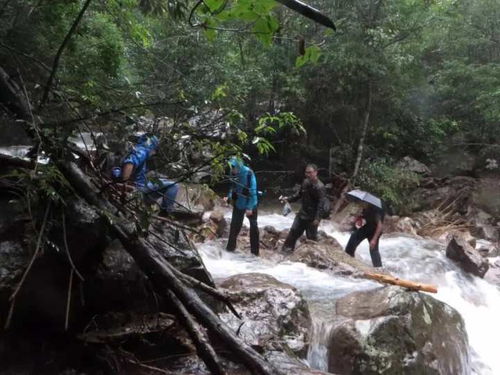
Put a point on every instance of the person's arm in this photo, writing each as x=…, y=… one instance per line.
x=127, y=170
x=321, y=196
x=378, y=232
x=252, y=194
x=295, y=197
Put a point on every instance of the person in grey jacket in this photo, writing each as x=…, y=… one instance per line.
x=313, y=194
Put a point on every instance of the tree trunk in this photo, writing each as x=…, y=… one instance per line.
x=366, y=120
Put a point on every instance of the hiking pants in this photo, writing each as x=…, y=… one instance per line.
x=164, y=189
x=234, y=230
x=365, y=232
x=298, y=227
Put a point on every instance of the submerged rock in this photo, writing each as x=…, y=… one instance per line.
x=392, y=331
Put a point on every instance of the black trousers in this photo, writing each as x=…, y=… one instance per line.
x=365, y=232
x=235, y=228
x=298, y=227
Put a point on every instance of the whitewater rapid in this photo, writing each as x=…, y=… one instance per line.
x=416, y=259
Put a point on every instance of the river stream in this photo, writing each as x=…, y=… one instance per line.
x=416, y=259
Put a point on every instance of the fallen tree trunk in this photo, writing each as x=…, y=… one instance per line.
x=159, y=272
x=203, y=347
x=386, y=279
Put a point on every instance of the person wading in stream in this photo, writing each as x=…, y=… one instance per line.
x=314, y=199
x=134, y=169
x=244, y=197
x=373, y=218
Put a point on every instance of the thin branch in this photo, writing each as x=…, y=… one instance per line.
x=12, y=298
x=66, y=247
x=60, y=51
x=68, y=301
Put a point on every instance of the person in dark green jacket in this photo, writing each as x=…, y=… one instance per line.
x=243, y=195
x=313, y=194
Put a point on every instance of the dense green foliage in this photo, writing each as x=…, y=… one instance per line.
x=429, y=69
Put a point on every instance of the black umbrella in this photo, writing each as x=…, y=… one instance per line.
x=363, y=196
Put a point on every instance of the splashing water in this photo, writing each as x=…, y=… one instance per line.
x=416, y=259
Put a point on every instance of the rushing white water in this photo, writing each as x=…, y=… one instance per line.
x=416, y=259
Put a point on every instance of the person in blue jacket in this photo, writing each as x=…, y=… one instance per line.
x=134, y=169
x=243, y=196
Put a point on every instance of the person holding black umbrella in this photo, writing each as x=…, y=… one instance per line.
x=370, y=227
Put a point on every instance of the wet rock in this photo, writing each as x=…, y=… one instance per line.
x=466, y=256
x=275, y=316
x=214, y=227
x=217, y=218
x=192, y=365
x=392, y=331
x=327, y=254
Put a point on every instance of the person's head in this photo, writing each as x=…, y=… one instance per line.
x=150, y=142
x=311, y=172
x=235, y=164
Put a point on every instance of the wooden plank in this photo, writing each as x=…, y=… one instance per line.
x=387, y=279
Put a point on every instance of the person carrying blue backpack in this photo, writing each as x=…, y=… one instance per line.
x=134, y=169
x=243, y=195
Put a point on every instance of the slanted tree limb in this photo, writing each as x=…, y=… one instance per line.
x=203, y=347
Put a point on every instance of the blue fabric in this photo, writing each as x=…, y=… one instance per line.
x=161, y=188
x=138, y=157
x=239, y=184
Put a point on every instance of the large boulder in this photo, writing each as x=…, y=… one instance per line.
x=392, y=331
x=275, y=316
x=468, y=258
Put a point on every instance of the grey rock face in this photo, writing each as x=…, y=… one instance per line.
x=392, y=331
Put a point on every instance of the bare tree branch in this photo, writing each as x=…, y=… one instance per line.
x=60, y=51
